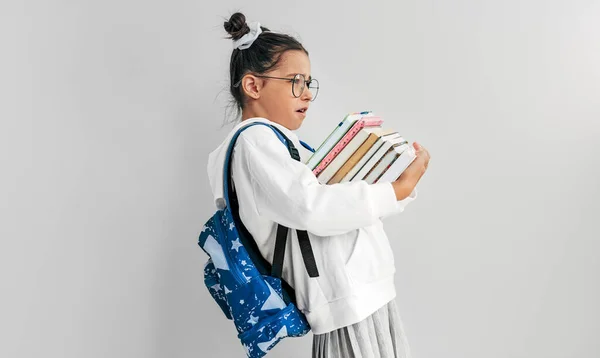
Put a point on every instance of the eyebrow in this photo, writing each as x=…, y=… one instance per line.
x=295, y=73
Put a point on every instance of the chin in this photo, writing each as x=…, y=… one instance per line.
x=296, y=124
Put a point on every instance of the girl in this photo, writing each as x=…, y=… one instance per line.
x=350, y=306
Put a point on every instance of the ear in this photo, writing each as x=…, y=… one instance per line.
x=251, y=86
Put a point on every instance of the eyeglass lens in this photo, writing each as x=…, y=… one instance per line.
x=299, y=83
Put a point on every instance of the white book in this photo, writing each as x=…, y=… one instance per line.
x=398, y=166
x=385, y=162
x=346, y=153
x=359, y=165
x=388, y=143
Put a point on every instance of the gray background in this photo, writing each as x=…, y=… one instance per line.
x=110, y=108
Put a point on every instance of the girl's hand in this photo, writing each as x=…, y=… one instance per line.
x=407, y=181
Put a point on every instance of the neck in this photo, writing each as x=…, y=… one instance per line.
x=253, y=111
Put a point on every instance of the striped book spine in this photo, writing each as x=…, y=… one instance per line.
x=383, y=172
x=373, y=173
x=360, y=124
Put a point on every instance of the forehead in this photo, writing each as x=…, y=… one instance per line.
x=294, y=62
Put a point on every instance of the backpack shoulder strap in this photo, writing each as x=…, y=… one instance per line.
x=276, y=268
x=303, y=239
x=290, y=145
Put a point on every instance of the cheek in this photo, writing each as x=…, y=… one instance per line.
x=282, y=101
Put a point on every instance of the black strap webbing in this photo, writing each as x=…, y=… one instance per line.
x=279, y=254
x=307, y=253
x=281, y=239
x=303, y=239
x=305, y=248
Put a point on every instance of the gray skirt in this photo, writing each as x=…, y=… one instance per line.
x=380, y=335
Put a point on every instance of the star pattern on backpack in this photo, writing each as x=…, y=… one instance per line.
x=253, y=301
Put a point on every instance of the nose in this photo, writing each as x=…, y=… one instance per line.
x=307, y=94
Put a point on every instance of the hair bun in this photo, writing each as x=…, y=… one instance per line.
x=236, y=27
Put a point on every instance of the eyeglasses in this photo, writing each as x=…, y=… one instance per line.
x=299, y=83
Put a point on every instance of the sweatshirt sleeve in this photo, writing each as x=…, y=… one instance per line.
x=286, y=191
x=401, y=204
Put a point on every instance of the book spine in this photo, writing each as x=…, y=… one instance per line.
x=370, y=164
x=343, y=156
x=354, y=159
x=324, y=148
x=383, y=172
x=371, y=174
x=338, y=147
x=313, y=156
x=363, y=161
x=399, y=165
x=360, y=124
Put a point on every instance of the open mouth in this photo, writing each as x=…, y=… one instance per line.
x=302, y=110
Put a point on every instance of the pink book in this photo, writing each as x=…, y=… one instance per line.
x=372, y=121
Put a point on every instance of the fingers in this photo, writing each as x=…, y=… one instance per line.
x=422, y=154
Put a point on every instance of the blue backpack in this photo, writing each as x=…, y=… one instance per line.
x=249, y=290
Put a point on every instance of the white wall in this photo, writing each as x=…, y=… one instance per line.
x=109, y=109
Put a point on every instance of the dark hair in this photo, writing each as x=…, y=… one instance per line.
x=262, y=56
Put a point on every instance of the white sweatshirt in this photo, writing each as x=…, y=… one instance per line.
x=352, y=251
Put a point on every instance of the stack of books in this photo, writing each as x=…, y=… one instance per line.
x=359, y=148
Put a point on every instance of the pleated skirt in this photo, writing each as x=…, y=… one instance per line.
x=380, y=335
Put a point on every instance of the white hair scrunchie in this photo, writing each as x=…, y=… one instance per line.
x=245, y=41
